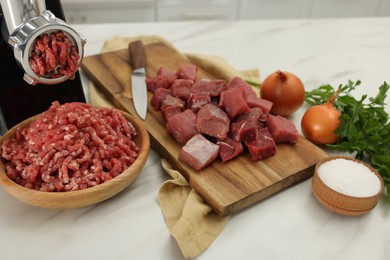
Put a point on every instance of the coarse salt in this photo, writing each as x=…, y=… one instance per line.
x=349, y=178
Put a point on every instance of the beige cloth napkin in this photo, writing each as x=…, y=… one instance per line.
x=190, y=220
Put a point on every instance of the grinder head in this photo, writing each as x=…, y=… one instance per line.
x=24, y=36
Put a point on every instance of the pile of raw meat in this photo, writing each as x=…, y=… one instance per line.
x=54, y=56
x=214, y=118
x=70, y=147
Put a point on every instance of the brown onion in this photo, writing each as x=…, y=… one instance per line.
x=285, y=90
x=320, y=121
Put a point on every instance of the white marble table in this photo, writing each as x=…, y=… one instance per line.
x=288, y=225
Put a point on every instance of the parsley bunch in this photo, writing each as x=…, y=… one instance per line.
x=364, y=129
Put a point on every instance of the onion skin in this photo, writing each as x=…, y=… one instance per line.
x=285, y=90
x=319, y=123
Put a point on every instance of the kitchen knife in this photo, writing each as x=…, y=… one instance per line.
x=138, y=76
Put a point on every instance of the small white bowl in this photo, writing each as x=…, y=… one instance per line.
x=339, y=202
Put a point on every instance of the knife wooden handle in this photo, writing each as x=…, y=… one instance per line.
x=137, y=54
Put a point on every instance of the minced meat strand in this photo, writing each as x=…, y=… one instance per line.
x=70, y=147
x=53, y=56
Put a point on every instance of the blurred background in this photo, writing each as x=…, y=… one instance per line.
x=113, y=11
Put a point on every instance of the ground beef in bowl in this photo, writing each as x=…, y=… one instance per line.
x=70, y=147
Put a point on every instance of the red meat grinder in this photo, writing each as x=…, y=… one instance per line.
x=23, y=93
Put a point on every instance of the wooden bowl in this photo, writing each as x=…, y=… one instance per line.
x=79, y=198
x=340, y=202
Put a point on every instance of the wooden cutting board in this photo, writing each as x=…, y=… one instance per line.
x=227, y=187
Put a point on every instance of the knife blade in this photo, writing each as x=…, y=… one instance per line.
x=138, y=76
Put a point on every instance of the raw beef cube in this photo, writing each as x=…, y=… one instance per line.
x=181, y=88
x=213, y=87
x=282, y=129
x=253, y=113
x=234, y=102
x=182, y=126
x=244, y=130
x=264, y=104
x=187, y=72
x=213, y=121
x=172, y=101
x=198, y=100
x=170, y=112
x=239, y=82
x=263, y=147
x=198, y=152
x=171, y=106
x=152, y=83
x=159, y=95
x=229, y=149
x=163, y=79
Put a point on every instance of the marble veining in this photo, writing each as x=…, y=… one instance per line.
x=288, y=225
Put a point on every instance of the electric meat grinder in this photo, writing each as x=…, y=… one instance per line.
x=23, y=92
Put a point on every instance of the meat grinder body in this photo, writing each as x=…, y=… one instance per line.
x=18, y=99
